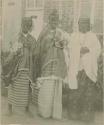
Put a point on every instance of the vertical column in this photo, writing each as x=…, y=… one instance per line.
x=0, y=27
x=92, y=16
x=12, y=15
x=23, y=7
x=79, y=10
x=76, y=14
x=60, y=9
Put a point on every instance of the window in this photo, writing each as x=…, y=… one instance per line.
x=39, y=3
x=34, y=4
x=29, y=4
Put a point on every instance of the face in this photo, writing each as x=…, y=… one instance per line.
x=24, y=29
x=54, y=24
x=84, y=27
x=26, y=26
x=30, y=26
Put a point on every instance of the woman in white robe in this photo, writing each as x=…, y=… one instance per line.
x=82, y=77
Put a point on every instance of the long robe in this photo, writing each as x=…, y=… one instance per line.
x=18, y=94
x=88, y=62
x=52, y=72
x=81, y=101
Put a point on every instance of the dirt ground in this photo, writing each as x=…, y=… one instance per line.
x=34, y=119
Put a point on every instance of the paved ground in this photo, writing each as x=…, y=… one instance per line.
x=27, y=119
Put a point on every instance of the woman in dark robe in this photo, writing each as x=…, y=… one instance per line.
x=52, y=70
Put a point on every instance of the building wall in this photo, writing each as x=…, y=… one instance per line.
x=97, y=13
x=35, y=9
x=98, y=20
x=67, y=11
x=11, y=22
x=0, y=11
x=13, y=12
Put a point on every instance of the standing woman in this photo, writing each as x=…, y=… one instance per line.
x=84, y=53
x=52, y=70
x=18, y=94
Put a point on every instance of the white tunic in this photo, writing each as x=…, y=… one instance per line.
x=88, y=61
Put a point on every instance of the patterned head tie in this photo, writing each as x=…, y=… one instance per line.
x=54, y=16
x=26, y=24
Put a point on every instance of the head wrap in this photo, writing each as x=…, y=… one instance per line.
x=26, y=24
x=54, y=16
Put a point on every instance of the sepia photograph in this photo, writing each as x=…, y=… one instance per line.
x=51, y=62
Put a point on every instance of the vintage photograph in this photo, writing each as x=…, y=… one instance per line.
x=51, y=62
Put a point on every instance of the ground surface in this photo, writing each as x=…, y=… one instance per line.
x=27, y=119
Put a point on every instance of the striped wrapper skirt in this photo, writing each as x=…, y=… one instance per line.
x=35, y=92
x=18, y=92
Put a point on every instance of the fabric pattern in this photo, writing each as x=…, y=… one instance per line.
x=50, y=99
x=18, y=92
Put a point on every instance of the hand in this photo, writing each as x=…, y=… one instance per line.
x=84, y=50
x=27, y=44
x=65, y=83
x=59, y=44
